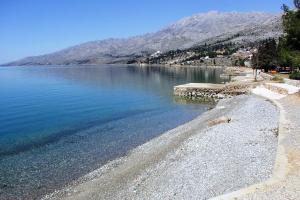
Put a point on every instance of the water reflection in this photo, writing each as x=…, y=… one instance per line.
x=59, y=123
x=160, y=78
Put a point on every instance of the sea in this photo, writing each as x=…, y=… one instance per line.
x=58, y=123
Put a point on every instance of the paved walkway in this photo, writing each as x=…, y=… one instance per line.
x=285, y=182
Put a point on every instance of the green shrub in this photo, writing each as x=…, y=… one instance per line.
x=295, y=76
x=277, y=78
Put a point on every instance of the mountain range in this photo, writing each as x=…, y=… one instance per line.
x=240, y=28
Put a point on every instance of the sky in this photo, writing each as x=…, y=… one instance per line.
x=35, y=27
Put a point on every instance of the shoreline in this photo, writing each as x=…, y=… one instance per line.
x=158, y=142
x=135, y=65
x=126, y=175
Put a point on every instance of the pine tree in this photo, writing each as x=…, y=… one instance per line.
x=289, y=45
x=285, y=8
x=267, y=54
x=297, y=4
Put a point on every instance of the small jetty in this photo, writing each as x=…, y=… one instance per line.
x=210, y=91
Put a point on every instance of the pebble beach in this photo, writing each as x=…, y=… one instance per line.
x=227, y=148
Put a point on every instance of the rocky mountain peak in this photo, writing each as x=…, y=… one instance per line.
x=189, y=31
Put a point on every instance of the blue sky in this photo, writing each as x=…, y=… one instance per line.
x=34, y=27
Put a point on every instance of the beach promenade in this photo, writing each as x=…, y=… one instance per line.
x=285, y=181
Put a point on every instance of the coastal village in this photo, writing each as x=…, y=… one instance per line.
x=242, y=57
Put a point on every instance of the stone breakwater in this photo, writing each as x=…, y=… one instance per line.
x=211, y=91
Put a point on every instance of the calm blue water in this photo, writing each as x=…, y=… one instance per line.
x=59, y=123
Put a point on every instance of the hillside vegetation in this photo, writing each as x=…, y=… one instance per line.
x=211, y=28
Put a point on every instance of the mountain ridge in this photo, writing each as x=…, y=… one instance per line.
x=184, y=33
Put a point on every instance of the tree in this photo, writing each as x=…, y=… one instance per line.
x=242, y=62
x=297, y=4
x=266, y=55
x=289, y=44
x=284, y=58
x=212, y=54
x=285, y=8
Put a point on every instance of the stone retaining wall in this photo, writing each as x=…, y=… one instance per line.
x=265, y=76
x=228, y=90
x=276, y=89
x=214, y=93
x=295, y=83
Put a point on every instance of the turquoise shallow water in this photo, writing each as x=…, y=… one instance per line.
x=58, y=123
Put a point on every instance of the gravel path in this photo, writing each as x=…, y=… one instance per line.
x=285, y=182
x=200, y=160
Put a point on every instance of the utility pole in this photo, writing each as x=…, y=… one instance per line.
x=256, y=66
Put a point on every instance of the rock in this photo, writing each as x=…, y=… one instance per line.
x=220, y=120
